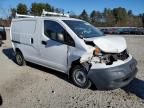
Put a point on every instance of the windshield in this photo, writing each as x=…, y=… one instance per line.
x=83, y=29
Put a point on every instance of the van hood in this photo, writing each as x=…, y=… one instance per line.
x=109, y=44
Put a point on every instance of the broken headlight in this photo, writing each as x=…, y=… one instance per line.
x=97, y=52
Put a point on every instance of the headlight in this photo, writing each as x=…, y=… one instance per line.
x=97, y=52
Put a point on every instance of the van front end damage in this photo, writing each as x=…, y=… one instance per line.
x=113, y=77
x=107, y=70
x=108, y=63
x=116, y=74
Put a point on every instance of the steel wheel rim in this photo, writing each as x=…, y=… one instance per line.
x=19, y=59
x=80, y=77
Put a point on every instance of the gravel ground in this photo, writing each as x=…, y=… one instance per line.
x=33, y=86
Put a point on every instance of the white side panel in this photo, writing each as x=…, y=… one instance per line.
x=24, y=26
x=23, y=31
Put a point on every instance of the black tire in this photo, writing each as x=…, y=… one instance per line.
x=79, y=77
x=20, y=59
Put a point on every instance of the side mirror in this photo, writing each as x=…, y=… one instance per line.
x=60, y=37
x=81, y=36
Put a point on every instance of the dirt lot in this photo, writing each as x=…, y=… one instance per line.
x=34, y=86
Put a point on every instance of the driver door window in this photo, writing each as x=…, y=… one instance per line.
x=55, y=31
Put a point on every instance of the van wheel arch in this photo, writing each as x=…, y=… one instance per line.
x=77, y=65
x=77, y=62
x=18, y=50
x=74, y=63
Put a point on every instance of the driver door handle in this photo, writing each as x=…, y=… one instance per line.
x=44, y=42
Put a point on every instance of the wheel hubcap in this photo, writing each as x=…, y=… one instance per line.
x=80, y=77
x=19, y=59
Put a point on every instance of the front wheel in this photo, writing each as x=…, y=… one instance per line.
x=79, y=77
x=20, y=59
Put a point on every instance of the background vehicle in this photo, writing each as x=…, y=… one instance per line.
x=2, y=34
x=123, y=30
x=140, y=31
x=107, y=31
x=0, y=40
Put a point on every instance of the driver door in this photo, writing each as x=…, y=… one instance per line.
x=53, y=47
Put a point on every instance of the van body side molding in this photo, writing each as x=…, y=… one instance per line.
x=16, y=42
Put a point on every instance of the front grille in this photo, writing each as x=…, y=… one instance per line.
x=123, y=55
x=110, y=58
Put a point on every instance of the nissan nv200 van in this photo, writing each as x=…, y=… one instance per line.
x=74, y=47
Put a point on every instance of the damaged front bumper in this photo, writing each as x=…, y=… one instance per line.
x=113, y=77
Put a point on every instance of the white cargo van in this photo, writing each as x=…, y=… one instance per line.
x=74, y=47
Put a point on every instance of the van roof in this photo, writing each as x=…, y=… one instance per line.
x=46, y=17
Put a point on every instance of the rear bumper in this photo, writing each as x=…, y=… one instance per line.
x=114, y=77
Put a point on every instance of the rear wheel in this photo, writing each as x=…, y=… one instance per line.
x=79, y=77
x=20, y=59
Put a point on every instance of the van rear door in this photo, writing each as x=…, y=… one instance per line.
x=24, y=37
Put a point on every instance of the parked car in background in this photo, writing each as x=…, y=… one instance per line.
x=140, y=31
x=2, y=34
x=123, y=30
x=134, y=31
x=0, y=40
x=107, y=31
x=116, y=30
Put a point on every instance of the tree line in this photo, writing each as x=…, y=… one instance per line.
x=109, y=17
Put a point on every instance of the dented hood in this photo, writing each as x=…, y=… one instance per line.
x=110, y=44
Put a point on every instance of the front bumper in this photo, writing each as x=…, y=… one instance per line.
x=114, y=77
